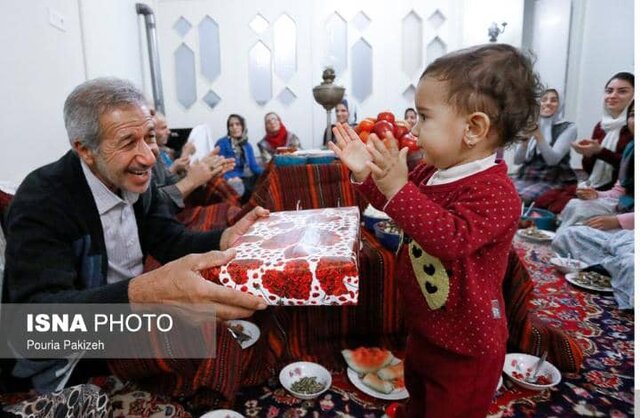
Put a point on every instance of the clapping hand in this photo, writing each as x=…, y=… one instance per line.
x=218, y=164
x=389, y=165
x=351, y=151
x=587, y=147
x=180, y=165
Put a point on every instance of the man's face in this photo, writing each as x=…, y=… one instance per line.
x=162, y=130
x=124, y=159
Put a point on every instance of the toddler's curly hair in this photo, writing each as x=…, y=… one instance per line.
x=496, y=79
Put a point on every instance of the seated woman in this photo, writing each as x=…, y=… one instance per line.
x=236, y=145
x=276, y=136
x=609, y=206
x=606, y=238
x=545, y=157
x=342, y=116
x=602, y=153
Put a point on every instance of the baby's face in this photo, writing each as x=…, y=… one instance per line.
x=440, y=129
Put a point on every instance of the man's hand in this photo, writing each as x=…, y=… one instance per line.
x=351, y=151
x=231, y=234
x=179, y=283
x=604, y=222
x=180, y=165
x=199, y=173
x=188, y=149
x=219, y=165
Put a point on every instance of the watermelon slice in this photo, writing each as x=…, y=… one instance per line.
x=367, y=360
x=391, y=372
x=398, y=383
x=377, y=384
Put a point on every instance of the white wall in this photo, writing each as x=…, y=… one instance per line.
x=40, y=66
x=601, y=45
x=112, y=42
x=478, y=16
x=304, y=117
x=550, y=30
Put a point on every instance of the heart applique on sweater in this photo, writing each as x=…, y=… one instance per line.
x=431, y=275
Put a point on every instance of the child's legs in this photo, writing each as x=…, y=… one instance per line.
x=442, y=384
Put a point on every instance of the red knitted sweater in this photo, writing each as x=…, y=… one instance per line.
x=452, y=269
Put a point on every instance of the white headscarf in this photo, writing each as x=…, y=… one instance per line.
x=545, y=124
x=602, y=171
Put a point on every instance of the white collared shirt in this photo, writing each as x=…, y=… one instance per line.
x=458, y=172
x=119, y=228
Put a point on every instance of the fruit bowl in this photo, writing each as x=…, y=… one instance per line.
x=372, y=216
x=305, y=380
x=388, y=234
x=518, y=366
x=541, y=218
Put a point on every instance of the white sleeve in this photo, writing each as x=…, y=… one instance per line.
x=553, y=155
x=521, y=152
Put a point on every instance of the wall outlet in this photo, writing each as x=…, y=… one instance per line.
x=57, y=20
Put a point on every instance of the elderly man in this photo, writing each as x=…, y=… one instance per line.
x=78, y=229
x=173, y=188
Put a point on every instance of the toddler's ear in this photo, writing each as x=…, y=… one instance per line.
x=478, y=128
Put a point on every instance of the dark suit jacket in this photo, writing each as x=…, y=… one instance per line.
x=55, y=245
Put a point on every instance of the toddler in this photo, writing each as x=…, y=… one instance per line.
x=459, y=211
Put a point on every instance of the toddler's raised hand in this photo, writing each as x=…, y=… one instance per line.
x=351, y=151
x=389, y=166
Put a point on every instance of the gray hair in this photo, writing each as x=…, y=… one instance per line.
x=88, y=101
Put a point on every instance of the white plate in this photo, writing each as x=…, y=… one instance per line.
x=393, y=396
x=567, y=265
x=548, y=235
x=222, y=413
x=572, y=278
x=249, y=328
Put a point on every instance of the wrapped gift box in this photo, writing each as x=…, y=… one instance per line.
x=305, y=257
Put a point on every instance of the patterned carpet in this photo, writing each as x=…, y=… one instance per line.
x=604, y=387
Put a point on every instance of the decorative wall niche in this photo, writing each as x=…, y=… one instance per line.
x=185, y=63
x=209, y=48
x=260, y=79
x=284, y=47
